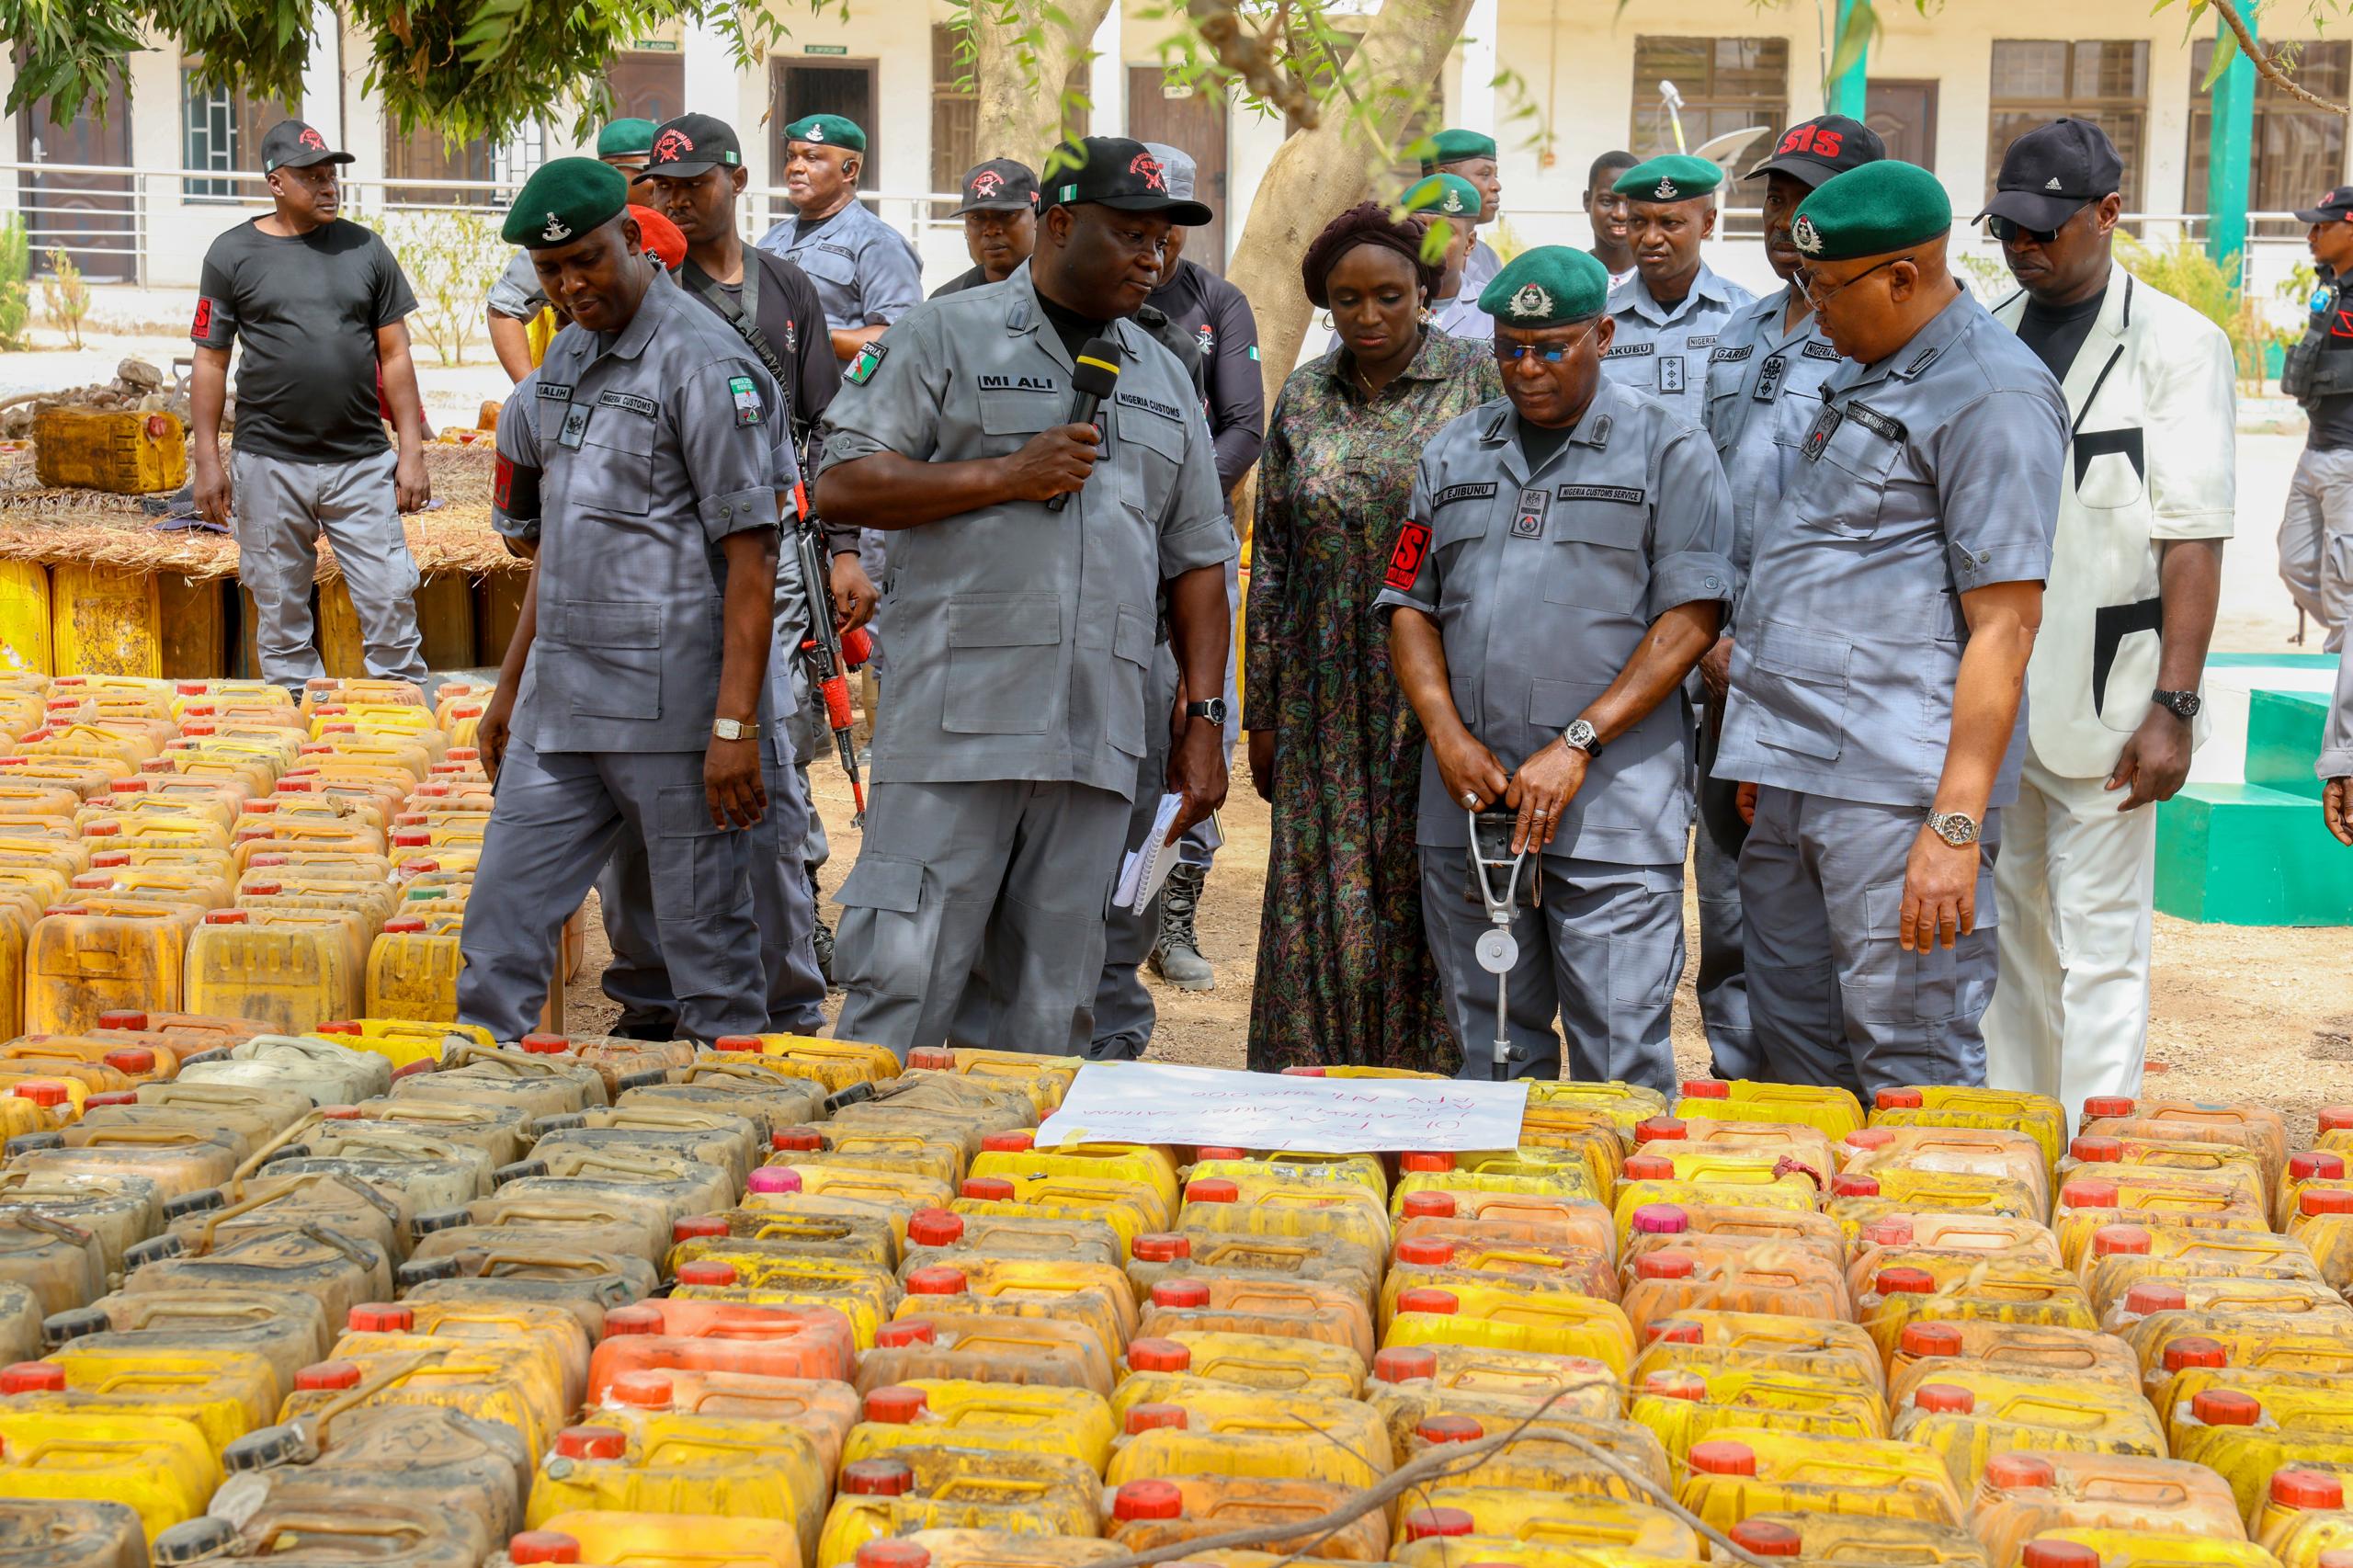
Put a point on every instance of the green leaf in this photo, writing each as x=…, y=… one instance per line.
x=2226, y=49
x=1855, y=35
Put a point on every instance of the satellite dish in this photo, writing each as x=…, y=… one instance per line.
x=1731, y=147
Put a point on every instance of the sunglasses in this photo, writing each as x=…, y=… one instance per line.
x=1511, y=353
x=1819, y=297
x=2008, y=229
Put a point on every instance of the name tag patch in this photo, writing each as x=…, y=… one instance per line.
x=1704, y=340
x=839, y=250
x=1405, y=556
x=747, y=398
x=1527, y=517
x=1454, y=492
x=556, y=391
x=1878, y=424
x=1732, y=356
x=1630, y=496
x=1629, y=350
x=1820, y=351
x=635, y=404
x=1137, y=400
x=1020, y=384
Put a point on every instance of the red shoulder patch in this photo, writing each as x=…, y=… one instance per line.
x=501, y=481
x=201, y=327
x=1406, y=555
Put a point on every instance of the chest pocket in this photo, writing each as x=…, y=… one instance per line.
x=2108, y=468
x=1455, y=526
x=1596, y=559
x=825, y=264
x=614, y=467
x=1845, y=489
x=1009, y=418
x=1150, y=449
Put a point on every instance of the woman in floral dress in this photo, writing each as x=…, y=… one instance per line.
x=1344, y=975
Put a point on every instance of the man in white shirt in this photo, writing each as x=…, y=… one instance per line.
x=2113, y=702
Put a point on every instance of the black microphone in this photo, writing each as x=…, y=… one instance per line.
x=1098, y=373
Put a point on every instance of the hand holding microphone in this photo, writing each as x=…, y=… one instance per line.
x=1098, y=373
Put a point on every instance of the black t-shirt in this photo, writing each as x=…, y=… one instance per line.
x=306, y=309
x=793, y=322
x=2331, y=427
x=1539, y=442
x=2056, y=333
x=1073, y=329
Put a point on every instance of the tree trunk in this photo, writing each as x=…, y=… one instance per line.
x=1020, y=109
x=1319, y=174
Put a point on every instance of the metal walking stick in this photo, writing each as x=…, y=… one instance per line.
x=1497, y=948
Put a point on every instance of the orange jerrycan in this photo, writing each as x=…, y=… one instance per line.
x=1153, y=1512
x=988, y=1348
x=2244, y=1441
x=1967, y=1417
x=1295, y=1309
x=93, y=956
x=1096, y=1295
x=1666, y=1282
x=714, y=1336
x=2246, y=1126
x=2023, y=1494
x=1959, y=1151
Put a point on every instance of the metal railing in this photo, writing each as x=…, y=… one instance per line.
x=109, y=218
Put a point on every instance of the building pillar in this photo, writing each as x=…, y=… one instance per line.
x=709, y=84
x=1475, y=107
x=1107, y=76
x=2229, y=151
x=322, y=77
x=1849, y=91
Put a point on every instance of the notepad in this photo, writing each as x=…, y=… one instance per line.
x=1145, y=869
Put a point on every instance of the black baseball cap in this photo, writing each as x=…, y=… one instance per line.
x=2051, y=171
x=1001, y=185
x=1118, y=173
x=689, y=145
x=2333, y=207
x=1814, y=150
x=290, y=144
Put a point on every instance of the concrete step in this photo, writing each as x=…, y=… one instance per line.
x=2248, y=855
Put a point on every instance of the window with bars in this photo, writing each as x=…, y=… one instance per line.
x=2105, y=81
x=2296, y=151
x=222, y=129
x=955, y=111
x=426, y=154
x=1726, y=85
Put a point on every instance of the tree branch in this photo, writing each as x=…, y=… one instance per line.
x=2264, y=66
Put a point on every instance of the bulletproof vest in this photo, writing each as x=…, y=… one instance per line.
x=2314, y=370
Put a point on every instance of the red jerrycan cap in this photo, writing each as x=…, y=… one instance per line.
x=1854, y=1184
x=736, y=1042
x=1449, y=1429
x=1906, y=1282
x=931, y=1059
x=542, y=1546
x=2193, y=1350
x=591, y=1443
x=1153, y=1417
x=2154, y=1296
x=327, y=1376
x=1672, y=1331
x=1147, y=1500
x=1766, y=1537
x=380, y=1317
x=644, y=1390
x=2101, y=1106
x=122, y=1020
x=32, y=1377
x=1889, y=1231
x=1213, y=1189
x=632, y=1320
x=1922, y=1339
x=1721, y=1456
x=2225, y=1407
x=987, y=1190
x=2122, y=1241
x=1675, y=1384
x=2307, y=1489
x=546, y=1044
x=1158, y=1355
x=707, y=1271
x=796, y=1140
x=939, y=1279
x=1433, y=1161
x=935, y=1227
x=1155, y=1247
x=2041, y=1553
x=2336, y=1118
x=1426, y=1251
x=340, y=1025
x=1181, y=1294
x=906, y=1332
x=1303, y=1073
x=1403, y=1364
x=1903, y=1098
x=1666, y=1265
x=773, y=1178
x=2089, y=1195
x=1220, y=1152
x=892, y=1552
x=228, y=917
x=1649, y=1167
x=896, y=1404
x=878, y=1478
x=2016, y=1472
x=1424, y=1206
x=1661, y=1127
x=1661, y=1220
x=1421, y=1524
x=698, y=1226
x=2095, y=1149
x=1706, y=1089
x=1944, y=1399
x=44, y=1091
x=1429, y=1299
x=1019, y=1142
x=2316, y=1200
x=2316, y=1164
x=1870, y=1138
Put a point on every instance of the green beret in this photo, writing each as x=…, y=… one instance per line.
x=625, y=138
x=826, y=131
x=564, y=199
x=1550, y=286
x=1456, y=146
x=1871, y=210
x=1672, y=176
x=1450, y=196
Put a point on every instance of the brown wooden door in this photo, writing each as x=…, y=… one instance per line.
x=1905, y=115
x=648, y=84
x=799, y=85
x=86, y=216
x=1194, y=122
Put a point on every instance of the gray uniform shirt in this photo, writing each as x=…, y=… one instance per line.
x=1479, y=267
x=2335, y=759
x=1932, y=472
x=1543, y=583
x=1764, y=389
x=1664, y=350
x=865, y=271
x=648, y=447
x=518, y=295
x=1019, y=636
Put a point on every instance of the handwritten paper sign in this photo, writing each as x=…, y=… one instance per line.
x=1149, y=1102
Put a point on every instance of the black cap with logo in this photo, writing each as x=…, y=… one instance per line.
x=2333, y=207
x=1814, y=150
x=290, y=144
x=2050, y=173
x=1124, y=175
x=689, y=145
x=1001, y=185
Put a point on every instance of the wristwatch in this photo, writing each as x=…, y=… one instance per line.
x=1956, y=828
x=1213, y=711
x=1582, y=735
x=733, y=730
x=2182, y=705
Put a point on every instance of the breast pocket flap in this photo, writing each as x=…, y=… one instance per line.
x=613, y=623
x=1019, y=413
x=1004, y=621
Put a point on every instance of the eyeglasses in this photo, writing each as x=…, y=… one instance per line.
x=1511, y=353
x=2006, y=229
x=1817, y=298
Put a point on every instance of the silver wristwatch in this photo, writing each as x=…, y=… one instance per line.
x=733, y=730
x=1956, y=828
x=1584, y=736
